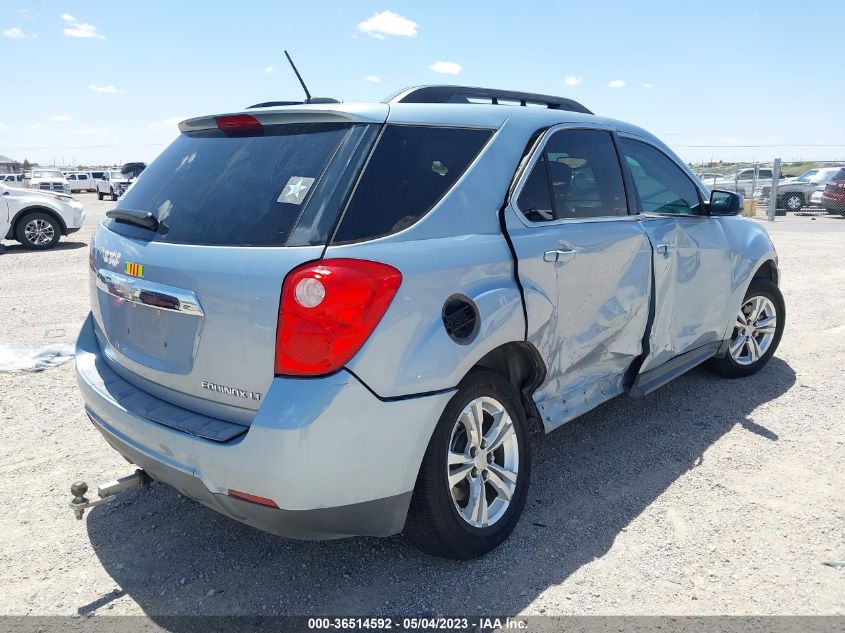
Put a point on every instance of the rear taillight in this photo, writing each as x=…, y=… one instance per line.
x=327, y=311
x=238, y=124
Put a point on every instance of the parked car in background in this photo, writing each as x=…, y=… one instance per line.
x=13, y=180
x=38, y=219
x=112, y=184
x=47, y=180
x=323, y=321
x=741, y=181
x=81, y=181
x=709, y=178
x=833, y=196
x=796, y=193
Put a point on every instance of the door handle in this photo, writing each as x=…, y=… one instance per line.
x=559, y=255
x=665, y=249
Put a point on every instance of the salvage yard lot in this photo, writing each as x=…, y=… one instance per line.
x=708, y=496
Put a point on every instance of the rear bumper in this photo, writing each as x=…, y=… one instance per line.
x=336, y=460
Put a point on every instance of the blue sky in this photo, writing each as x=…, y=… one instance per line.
x=90, y=81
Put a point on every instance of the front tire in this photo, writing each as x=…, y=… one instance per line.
x=793, y=202
x=99, y=195
x=757, y=331
x=475, y=474
x=38, y=231
x=111, y=193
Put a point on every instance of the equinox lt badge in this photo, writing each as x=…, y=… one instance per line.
x=231, y=391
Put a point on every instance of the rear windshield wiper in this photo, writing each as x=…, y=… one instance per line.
x=144, y=219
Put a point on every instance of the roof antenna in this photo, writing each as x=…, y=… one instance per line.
x=298, y=76
x=308, y=97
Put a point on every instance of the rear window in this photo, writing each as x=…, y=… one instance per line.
x=410, y=170
x=212, y=189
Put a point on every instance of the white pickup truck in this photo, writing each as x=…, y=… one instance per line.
x=52, y=180
x=742, y=181
x=112, y=184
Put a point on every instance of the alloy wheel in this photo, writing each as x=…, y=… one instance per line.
x=483, y=462
x=793, y=203
x=754, y=331
x=39, y=232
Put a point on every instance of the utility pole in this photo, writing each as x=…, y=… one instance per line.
x=773, y=194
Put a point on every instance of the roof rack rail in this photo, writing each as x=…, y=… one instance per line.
x=270, y=104
x=471, y=94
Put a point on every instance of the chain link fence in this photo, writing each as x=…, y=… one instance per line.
x=800, y=187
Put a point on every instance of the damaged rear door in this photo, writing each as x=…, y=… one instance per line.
x=585, y=267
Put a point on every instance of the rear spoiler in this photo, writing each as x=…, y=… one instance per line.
x=364, y=113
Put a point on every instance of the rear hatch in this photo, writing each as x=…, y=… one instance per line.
x=186, y=299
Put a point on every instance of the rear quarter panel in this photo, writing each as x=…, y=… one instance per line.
x=458, y=247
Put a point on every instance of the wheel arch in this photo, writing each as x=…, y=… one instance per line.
x=521, y=364
x=767, y=270
x=37, y=209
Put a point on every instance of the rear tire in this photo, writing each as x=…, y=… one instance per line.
x=489, y=470
x=111, y=193
x=757, y=333
x=38, y=231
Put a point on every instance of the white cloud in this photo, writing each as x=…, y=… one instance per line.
x=373, y=78
x=648, y=85
x=447, y=68
x=572, y=80
x=108, y=88
x=17, y=33
x=616, y=83
x=75, y=28
x=166, y=125
x=388, y=23
x=268, y=70
x=26, y=14
x=59, y=118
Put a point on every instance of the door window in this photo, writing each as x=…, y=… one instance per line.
x=662, y=186
x=576, y=176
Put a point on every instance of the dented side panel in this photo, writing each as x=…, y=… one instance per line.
x=586, y=315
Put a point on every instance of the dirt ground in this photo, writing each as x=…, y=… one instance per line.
x=707, y=497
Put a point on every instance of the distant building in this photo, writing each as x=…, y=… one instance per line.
x=9, y=166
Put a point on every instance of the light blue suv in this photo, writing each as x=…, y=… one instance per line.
x=328, y=320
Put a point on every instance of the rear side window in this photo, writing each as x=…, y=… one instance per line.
x=212, y=189
x=580, y=172
x=663, y=187
x=410, y=170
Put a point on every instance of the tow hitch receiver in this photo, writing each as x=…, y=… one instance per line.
x=107, y=490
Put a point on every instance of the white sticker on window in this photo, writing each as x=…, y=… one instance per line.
x=295, y=190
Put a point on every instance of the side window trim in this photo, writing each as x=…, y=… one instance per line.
x=632, y=196
x=536, y=153
x=626, y=171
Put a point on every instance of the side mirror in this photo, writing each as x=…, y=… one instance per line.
x=725, y=203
